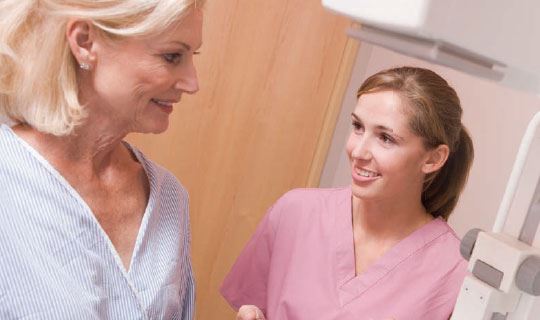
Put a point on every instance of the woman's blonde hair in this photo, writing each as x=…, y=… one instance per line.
x=435, y=116
x=38, y=83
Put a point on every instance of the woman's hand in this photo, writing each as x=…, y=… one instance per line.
x=250, y=312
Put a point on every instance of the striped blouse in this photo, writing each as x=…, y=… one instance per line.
x=56, y=262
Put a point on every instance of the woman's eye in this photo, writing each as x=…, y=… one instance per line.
x=357, y=126
x=387, y=139
x=173, y=58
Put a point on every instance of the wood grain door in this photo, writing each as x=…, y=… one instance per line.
x=272, y=74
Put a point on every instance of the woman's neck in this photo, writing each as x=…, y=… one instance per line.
x=387, y=220
x=93, y=147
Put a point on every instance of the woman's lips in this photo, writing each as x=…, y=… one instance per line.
x=364, y=175
x=164, y=105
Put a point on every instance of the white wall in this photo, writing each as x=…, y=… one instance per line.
x=495, y=116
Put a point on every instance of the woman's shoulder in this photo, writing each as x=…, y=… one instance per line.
x=6, y=133
x=314, y=196
x=448, y=235
x=297, y=205
x=442, y=245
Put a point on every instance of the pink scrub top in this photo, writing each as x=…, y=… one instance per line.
x=300, y=264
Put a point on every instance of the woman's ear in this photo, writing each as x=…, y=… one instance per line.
x=435, y=159
x=80, y=35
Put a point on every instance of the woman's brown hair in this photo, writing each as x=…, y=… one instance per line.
x=435, y=115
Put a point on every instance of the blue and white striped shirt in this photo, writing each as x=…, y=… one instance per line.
x=56, y=262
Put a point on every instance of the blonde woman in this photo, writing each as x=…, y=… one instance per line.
x=380, y=248
x=91, y=228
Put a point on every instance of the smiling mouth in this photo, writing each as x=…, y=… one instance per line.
x=366, y=173
x=163, y=103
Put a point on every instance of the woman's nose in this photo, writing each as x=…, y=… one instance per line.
x=188, y=81
x=362, y=149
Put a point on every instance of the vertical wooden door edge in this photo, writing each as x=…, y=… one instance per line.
x=332, y=112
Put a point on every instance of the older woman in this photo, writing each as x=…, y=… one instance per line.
x=91, y=228
x=380, y=248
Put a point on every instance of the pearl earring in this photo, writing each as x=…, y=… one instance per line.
x=85, y=66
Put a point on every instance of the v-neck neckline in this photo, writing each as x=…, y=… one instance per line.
x=351, y=286
x=75, y=194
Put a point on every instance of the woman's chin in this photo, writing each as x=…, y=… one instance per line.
x=155, y=127
x=160, y=129
x=361, y=192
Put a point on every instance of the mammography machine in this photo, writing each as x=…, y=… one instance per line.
x=498, y=40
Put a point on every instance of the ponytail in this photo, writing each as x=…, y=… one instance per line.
x=441, y=192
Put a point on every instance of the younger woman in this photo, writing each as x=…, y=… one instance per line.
x=380, y=248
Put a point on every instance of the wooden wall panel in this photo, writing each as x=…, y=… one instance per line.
x=268, y=73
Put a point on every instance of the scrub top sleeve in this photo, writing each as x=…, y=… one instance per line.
x=247, y=281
